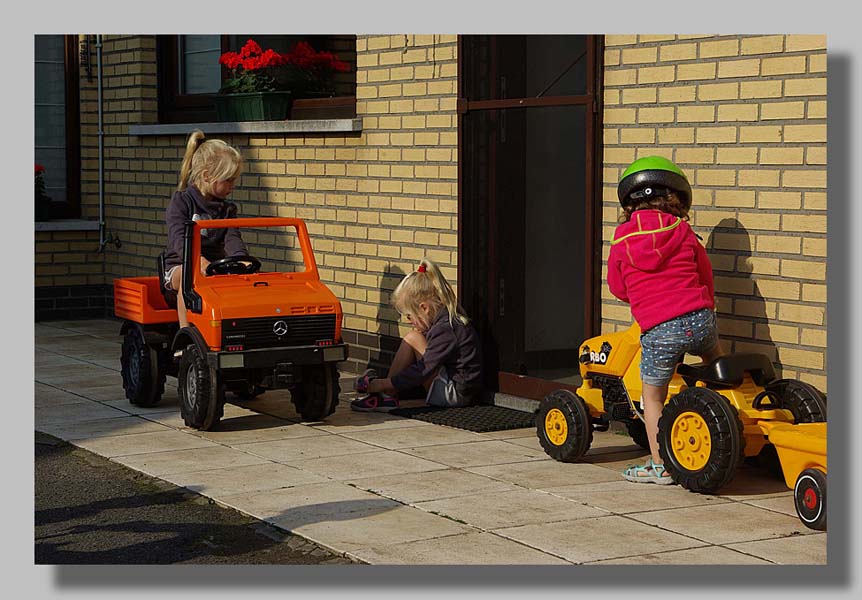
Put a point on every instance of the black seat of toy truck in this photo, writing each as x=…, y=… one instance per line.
x=170, y=296
x=729, y=371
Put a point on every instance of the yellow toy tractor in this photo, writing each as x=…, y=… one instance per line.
x=716, y=414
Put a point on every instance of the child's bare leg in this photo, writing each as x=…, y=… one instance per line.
x=654, y=397
x=176, y=284
x=412, y=348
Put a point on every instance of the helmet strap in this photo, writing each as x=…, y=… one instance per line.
x=650, y=192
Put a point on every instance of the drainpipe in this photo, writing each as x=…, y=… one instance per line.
x=103, y=239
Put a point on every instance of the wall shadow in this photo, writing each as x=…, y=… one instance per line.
x=743, y=317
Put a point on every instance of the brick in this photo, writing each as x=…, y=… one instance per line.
x=620, y=77
x=758, y=178
x=676, y=135
x=662, y=114
x=716, y=135
x=814, y=201
x=696, y=114
x=736, y=156
x=695, y=71
x=805, y=87
x=814, y=247
x=612, y=57
x=801, y=358
x=779, y=290
x=801, y=42
x=782, y=110
x=719, y=48
x=759, y=220
x=655, y=74
x=778, y=244
x=759, y=134
x=781, y=156
x=784, y=65
x=638, y=135
x=813, y=337
x=817, y=64
x=639, y=55
x=639, y=95
x=808, y=178
x=737, y=112
x=682, y=93
x=762, y=45
x=620, y=40
x=739, y=68
x=670, y=52
x=814, y=292
x=715, y=177
x=759, y=89
x=731, y=198
x=779, y=200
x=717, y=91
x=804, y=223
x=801, y=269
x=805, y=133
x=619, y=116
x=815, y=156
x=695, y=155
x=776, y=333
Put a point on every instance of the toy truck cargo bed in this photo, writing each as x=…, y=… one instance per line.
x=800, y=446
x=139, y=299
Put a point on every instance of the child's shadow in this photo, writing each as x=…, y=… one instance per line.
x=743, y=313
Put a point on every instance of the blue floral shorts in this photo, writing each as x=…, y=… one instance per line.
x=663, y=345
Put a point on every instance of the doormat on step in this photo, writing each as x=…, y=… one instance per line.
x=480, y=418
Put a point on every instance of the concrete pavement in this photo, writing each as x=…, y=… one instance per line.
x=382, y=489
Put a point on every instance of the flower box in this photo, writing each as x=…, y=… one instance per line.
x=253, y=106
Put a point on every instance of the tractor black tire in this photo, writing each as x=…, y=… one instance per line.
x=809, y=497
x=806, y=402
x=700, y=440
x=201, y=390
x=637, y=431
x=143, y=379
x=564, y=426
x=316, y=397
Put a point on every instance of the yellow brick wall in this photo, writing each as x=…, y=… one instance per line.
x=745, y=118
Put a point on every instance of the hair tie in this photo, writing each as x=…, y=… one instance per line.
x=421, y=269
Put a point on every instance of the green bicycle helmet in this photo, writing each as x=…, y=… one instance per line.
x=650, y=177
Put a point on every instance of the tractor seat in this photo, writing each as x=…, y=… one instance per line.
x=729, y=371
x=170, y=296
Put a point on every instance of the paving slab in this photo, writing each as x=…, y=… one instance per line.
x=411, y=488
x=183, y=461
x=464, y=549
x=254, y=427
x=367, y=464
x=724, y=523
x=217, y=483
x=493, y=510
x=708, y=555
x=85, y=410
x=797, y=550
x=293, y=450
x=474, y=454
x=598, y=538
x=142, y=443
x=102, y=427
x=545, y=474
x=412, y=437
x=623, y=497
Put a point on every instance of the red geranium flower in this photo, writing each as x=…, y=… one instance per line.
x=39, y=169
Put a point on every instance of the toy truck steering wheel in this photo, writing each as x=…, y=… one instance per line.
x=234, y=265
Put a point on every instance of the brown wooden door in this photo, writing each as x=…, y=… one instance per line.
x=528, y=204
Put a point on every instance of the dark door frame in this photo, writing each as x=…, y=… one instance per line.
x=532, y=387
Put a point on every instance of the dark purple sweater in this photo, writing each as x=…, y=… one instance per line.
x=215, y=243
x=453, y=346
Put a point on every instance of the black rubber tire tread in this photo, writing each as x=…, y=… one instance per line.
x=207, y=407
x=816, y=480
x=637, y=431
x=727, y=441
x=143, y=380
x=316, y=397
x=806, y=402
x=578, y=421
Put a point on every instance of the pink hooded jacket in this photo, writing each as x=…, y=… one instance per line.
x=658, y=266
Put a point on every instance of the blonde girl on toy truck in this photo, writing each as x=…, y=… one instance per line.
x=657, y=266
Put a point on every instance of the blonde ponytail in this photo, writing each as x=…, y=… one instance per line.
x=215, y=157
x=427, y=284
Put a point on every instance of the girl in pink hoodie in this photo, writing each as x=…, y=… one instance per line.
x=658, y=266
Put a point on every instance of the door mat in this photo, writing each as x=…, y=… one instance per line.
x=480, y=418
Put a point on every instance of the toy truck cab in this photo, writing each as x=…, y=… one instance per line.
x=249, y=330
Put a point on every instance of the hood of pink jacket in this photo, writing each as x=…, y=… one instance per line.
x=650, y=239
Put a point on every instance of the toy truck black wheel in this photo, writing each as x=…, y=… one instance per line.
x=143, y=379
x=564, y=426
x=809, y=496
x=637, y=431
x=700, y=440
x=316, y=397
x=201, y=390
x=806, y=402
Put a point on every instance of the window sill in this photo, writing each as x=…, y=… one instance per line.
x=299, y=126
x=67, y=225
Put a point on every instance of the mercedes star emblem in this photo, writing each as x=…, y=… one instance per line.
x=279, y=328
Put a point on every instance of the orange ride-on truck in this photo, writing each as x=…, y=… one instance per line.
x=716, y=414
x=249, y=331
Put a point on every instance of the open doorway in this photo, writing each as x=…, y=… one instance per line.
x=529, y=191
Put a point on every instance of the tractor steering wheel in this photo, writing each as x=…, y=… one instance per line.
x=234, y=265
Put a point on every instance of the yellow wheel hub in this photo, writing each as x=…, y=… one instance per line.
x=556, y=428
x=691, y=441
